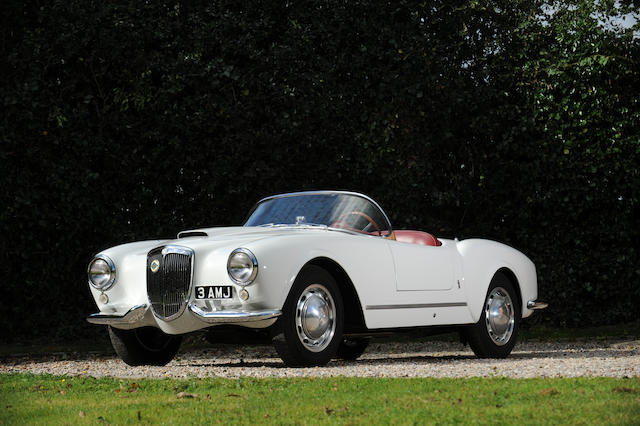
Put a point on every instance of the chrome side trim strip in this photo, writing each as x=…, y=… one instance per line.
x=417, y=305
x=226, y=317
x=133, y=315
x=536, y=304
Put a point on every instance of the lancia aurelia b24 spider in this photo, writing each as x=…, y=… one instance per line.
x=320, y=272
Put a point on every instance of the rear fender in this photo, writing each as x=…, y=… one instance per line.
x=481, y=259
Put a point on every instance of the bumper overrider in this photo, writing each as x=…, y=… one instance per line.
x=137, y=313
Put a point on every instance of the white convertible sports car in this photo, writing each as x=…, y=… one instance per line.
x=320, y=272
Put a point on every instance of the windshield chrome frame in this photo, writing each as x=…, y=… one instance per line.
x=327, y=192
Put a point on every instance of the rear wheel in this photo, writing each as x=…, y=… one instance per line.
x=312, y=320
x=494, y=335
x=144, y=346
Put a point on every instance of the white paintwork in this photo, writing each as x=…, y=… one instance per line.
x=481, y=259
x=385, y=273
x=421, y=267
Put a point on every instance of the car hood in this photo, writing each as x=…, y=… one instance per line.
x=245, y=234
x=209, y=239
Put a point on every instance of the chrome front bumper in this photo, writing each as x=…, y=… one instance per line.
x=133, y=315
x=227, y=317
x=137, y=313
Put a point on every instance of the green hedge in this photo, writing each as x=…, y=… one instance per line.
x=129, y=120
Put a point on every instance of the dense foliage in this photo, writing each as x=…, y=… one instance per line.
x=515, y=121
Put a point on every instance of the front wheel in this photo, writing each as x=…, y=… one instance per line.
x=144, y=346
x=494, y=335
x=312, y=320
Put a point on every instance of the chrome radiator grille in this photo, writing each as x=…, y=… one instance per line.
x=169, y=272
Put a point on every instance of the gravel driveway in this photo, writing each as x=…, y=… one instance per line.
x=432, y=359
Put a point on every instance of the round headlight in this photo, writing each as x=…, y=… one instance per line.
x=101, y=272
x=242, y=266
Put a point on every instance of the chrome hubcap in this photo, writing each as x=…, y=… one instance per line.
x=500, y=316
x=315, y=318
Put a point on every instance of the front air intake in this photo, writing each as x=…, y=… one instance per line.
x=169, y=271
x=185, y=234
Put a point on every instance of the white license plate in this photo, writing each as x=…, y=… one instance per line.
x=215, y=292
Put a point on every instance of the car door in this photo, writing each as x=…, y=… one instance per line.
x=419, y=267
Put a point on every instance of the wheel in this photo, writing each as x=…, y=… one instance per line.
x=494, y=335
x=351, y=349
x=144, y=346
x=310, y=327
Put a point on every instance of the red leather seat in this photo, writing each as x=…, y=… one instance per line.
x=417, y=237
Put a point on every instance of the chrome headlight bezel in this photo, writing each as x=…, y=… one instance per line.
x=242, y=256
x=110, y=269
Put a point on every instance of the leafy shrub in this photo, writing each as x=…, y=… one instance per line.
x=127, y=120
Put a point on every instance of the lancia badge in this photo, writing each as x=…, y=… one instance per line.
x=155, y=265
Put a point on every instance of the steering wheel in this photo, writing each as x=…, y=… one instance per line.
x=366, y=216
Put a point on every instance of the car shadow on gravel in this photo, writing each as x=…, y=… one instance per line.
x=370, y=359
x=265, y=357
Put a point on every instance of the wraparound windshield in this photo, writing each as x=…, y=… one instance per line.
x=347, y=211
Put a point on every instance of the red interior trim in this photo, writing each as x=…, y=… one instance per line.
x=417, y=237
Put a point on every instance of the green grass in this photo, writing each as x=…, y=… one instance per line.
x=69, y=400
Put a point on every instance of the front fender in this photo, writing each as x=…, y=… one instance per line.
x=365, y=259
